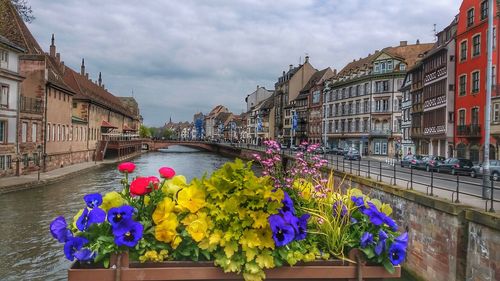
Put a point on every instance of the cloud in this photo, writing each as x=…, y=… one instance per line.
x=180, y=57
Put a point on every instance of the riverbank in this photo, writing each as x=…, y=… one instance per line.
x=16, y=183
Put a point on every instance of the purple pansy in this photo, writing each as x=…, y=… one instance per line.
x=287, y=204
x=397, y=253
x=88, y=218
x=73, y=248
x=302, y=227
x=128, y=233
x=283, y=233
x=59, y=229
x=339, y=208
x=93, y=200
x=366, y=239
x=120, y=214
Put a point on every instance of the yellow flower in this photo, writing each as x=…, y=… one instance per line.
x=75, y=218
x=176, y=242
x=304, y=187
x=191, y=198
x=163, y=210
x=173, y=185
x=150, y=256
x=111, y=200
x=166, y=231
x=197, y=227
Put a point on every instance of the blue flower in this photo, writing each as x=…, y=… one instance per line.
x=402, y=239
x=128, y=233
x=397, y=253
x=88, y=218
x=93, y=200
x=382, y=235
x=283, y=233
x=359, y=202
x=391, y=223
x=120, y=214
x=74, y=249
x=339, y=208
x=287, y=204
x=366, y=239
x=302, y=227
x=59, y=229
x=376, y=218
x=379, y=248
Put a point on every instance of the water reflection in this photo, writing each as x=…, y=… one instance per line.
x=28, y=251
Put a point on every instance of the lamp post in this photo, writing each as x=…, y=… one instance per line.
x=39, y=151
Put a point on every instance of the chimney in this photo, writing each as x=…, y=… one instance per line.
x=307, y=59
x=283, y=73
x=291, y=66
x=100, y=79
x=418, y=42
x=334, y=71
x=257, y=87
x=87, y=76
x=63, y=68
x=58, y=57
x=52, y=47
x=82, y=68
x=403, y=43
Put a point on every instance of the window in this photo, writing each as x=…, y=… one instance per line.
x=476, y=45
x=462, y=85
x=461, y=117
x=475, y=82
x=463, y=50
x=474, y=116
x=26, y=160
x=377, y=67
x=4, y=96
x=366, y=89
x=3, y=131
x=470, y=17
x=381, y=86
x=2, y=162
x=24, y=132
x=493, y=75
x=74, y=105
x=316, y=97
x=496, y=112
x=48, y=132
x=402, y=66
x=58, y=135
x=389, y=65
x=34, y=129
x=36, y=159
x=9, y=162
x=4, y=59
x=54, y=132
x=484, y=9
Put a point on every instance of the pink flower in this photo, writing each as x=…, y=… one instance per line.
x=167, y=173
x=143, y=185
x=126, y=167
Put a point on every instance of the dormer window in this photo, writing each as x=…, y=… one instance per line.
x=383, y=67
x=389, y=65
x=402, y=66
x=377, y=68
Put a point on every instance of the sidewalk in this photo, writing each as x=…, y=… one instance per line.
x=9, y=184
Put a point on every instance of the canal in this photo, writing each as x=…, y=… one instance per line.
x=28, y=251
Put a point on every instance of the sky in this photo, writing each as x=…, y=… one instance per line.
x=179, y=57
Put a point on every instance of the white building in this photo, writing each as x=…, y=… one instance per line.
x=407, y=145
x=9, y=104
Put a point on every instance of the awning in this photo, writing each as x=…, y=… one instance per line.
x=126, y=128
x=106, y=124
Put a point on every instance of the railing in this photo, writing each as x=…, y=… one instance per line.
x=380, y=132
x=31, y=105
x=472, y=130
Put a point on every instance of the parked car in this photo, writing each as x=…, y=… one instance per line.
x=339, y=151
x=477, y=170
x=352, y=154
x=431, y=162
x=455, y=165
x=413, y=161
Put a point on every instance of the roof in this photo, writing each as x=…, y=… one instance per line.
x=106, y=124
x=127, y=128
x=87, y=90
x=7, y=43
x=410, y=54
x=13, y=28
x=268, y=103
x=314, y=79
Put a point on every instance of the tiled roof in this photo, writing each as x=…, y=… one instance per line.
x=6, y=42
x=87, y=90
x=314, y=79
x=15, y=30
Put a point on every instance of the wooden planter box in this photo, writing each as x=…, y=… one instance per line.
x=124, y=270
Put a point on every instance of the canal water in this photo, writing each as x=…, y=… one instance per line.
x=28, y=251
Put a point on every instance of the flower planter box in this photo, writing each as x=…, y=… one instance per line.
x=125, y=270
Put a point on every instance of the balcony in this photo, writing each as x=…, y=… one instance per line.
x=380, y=133
x=381, y=110
x=31, y=105
x=471, y=130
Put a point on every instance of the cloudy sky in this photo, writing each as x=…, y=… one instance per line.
x=179, y=57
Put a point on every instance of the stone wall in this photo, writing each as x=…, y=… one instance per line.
x=60, y=160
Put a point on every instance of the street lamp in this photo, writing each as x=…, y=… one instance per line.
x=39, y=150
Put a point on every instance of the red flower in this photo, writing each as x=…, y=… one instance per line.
x=167, y=173
x=127, y=167
x=143, y=185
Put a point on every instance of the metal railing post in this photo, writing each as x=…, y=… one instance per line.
x=359, y=167
x=394, y=166
x=491, y=195
x=458, y=182
x=411, y=178
x=432, y=182
x=368, y=168
x=343, y=164
x=380, y=170
x=350, y=166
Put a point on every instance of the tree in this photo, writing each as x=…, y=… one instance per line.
x=169, y=134
x=144, y=132
x=24, y=10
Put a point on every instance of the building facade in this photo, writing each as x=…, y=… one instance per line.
x=9, y=99
x=470, y=79
x=407, y=145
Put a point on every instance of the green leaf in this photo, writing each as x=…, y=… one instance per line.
x=106, y=262
x=368, y=252
x=388, y=266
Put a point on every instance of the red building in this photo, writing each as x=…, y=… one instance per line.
x=470, y=80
